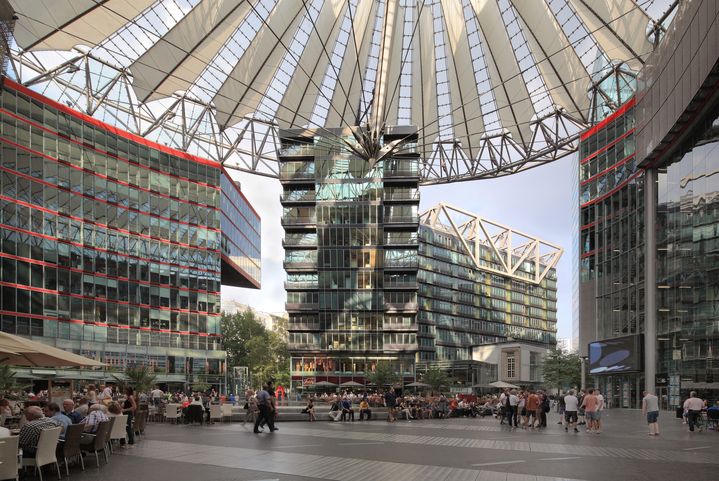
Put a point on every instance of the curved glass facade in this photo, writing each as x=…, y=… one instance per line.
x=111, y=245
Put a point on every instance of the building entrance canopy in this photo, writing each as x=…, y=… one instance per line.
x=493, y=87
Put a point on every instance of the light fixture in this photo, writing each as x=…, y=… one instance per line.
x=664, y=286
x=663, y=309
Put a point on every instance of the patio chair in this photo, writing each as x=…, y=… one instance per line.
x=119, y=429
x=100, y=440
x=8, y=457
x=172, y=411
x=71, y=446
x=46, y=451
x=215, y=412
x=226, y=411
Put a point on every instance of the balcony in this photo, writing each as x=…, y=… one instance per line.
x=401, y=174
x=300, y=265
x=400, y=306
x=297, y=150
x=301, y=306
x=401, y=219
x=296, y=197
x=301, y=285
x=401, y=196
x=299, y=221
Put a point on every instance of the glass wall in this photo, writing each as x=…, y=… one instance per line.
x=106, y=238
x=688, y=264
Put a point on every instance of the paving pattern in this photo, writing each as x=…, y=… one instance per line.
x=436, y=450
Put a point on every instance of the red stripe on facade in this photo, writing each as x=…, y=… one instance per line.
x=237, y=187
x=106, y=202
x=606, y=147
x=621, y=162
x=617, y=113
x=83, y=246
x=103, y=324
x=240, y=270
x=98, y=123
x=104, y=276
x=103, y=299
x=614, y=190
x=104, y=226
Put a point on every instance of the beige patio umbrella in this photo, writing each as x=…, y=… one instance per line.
x=18, y=351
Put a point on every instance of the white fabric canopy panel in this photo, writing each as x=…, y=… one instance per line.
x=493, y=86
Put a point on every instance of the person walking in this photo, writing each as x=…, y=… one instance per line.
x=264, y=404
x=600, y=409
x=693, y=408
x=650, y=408
x=513, y=402
x=390, y=401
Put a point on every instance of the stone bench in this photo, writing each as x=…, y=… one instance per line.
x=294, y=413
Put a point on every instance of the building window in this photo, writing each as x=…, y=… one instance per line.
x=535, y=368
x=510, y=366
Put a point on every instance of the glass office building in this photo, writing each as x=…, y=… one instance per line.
x=350, y=255
x=114, y=247
x=611, y=241
x=464, y=303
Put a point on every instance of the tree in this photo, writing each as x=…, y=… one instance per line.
x=140, y=377
x=436, y=378
x=249, y=343
x=383, y=374
x=561, y=369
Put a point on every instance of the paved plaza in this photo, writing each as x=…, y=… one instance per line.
x=433, y=450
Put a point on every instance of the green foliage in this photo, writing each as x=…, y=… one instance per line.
x=383, y=375
x=561, y=369
x=200, y=386
x=141, y=378
x=7, y=380
x=436, y=378
x=249, y=343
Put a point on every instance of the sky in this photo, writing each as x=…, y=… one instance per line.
x=537, y=202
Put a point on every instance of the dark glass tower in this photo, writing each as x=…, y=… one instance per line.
x=350, y=255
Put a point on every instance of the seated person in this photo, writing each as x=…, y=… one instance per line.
x=364, y=410
x=114, y=409
x=68, y=409
x=52, y=410
x=83, y=406
x=404, y=409
x=335, y=411
x=96, y=416
x=347, y=409
x=30, y=431
x=310, y=410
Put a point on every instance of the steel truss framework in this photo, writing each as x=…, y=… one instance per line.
x=497, y=115
x=509, y=248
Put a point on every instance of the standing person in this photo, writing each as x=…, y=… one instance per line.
x=503, y=405
x=513, y=402
x=264, y=404
x=156, y=395
x=543, y=409
x=129, y=406
x=91, y=394
x=693, y=407
x=390, y=401
x=600, y=409
x=650, y=408
x=532, y=407
x=580, y=413
x=590, y=404
x=561, y=407
x=571, y=405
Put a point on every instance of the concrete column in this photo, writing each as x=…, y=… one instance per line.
x=650, y=279
x=583, y=365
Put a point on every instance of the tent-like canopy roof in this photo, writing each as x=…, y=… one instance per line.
x=493, y=86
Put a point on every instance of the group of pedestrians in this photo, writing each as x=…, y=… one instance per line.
x=529, y=406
